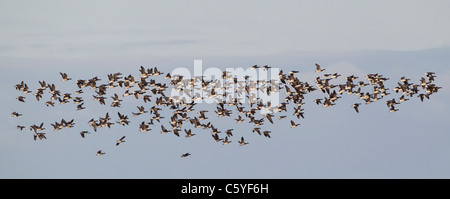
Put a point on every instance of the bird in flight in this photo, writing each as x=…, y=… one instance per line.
x=355, y=106
x=64, y=76
x=16, y=114
x=293, y=124
x=242, y=142
x=185, y=155
x=121, y=140
x=318, y=69
x=99, y=153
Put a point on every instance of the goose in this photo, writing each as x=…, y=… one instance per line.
x=432, y=89
x=123, y=119
x=25, y=89
x=188, y=133
x=327, y=103
x=391, y=102
x=293, y=124
x=266, y=67
x=257, y=122
x=64, y=77
x=100, y=99
x=116, y=98
x=214, y=130
x=154, y=109
x=430, y=78
x=318, y=101
x=52, y=89
x=403, y=99
x=106, y=118
x=257, y=129
x=50, y=103
x=254, y=67
x=21, y=98
x=157, y=117
x=355, y=106
x=173, y=119
x=404, y=80
x=362, y=84
x=164, y=130
x=82, y=133
x=66, y=96
x=269, y=117
x=16, y=114
x=20, y=127
x=242, y=142
x=146, y=98
x=216, y=138
x=176, y=132
x=20, y=86
x=77, y=100
x=40, y=136
x=68, y=124
x=318, y=69
x=423, y=95
x=282, y=107
x=143, y=72
x=168, y=76
x=114, y=77
x=281, y=117
x=99, y=153
x=185, y=155
x=358, y=92
x=384, y=93
x=266, y=133
x=127, y=92
x=108, y=124
x=226, y=141
x=351, y=78
x=120, y=140
x=202, y=115
x=115, y=104
x=229, y=133
x=62, y=101
x=326, y=75
x=78, y=92
x=123, y=122
x=130, y=79
x=37, y=128
x=156, y=72
x=141, y=111
x=196, y=122
x=239, y=119
x=94, y=125
x=56, y=126
x=393, y=109
x=335, y=75
x=429, y=73
x=38, y=94
x=81, y=83
x=80, y=107
x=144, y=127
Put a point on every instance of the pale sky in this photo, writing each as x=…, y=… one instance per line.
x=235, y=28
x=39, y=39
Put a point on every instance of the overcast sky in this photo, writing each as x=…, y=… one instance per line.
x=95, y=38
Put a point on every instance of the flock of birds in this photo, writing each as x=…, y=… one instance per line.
x=243, y=99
